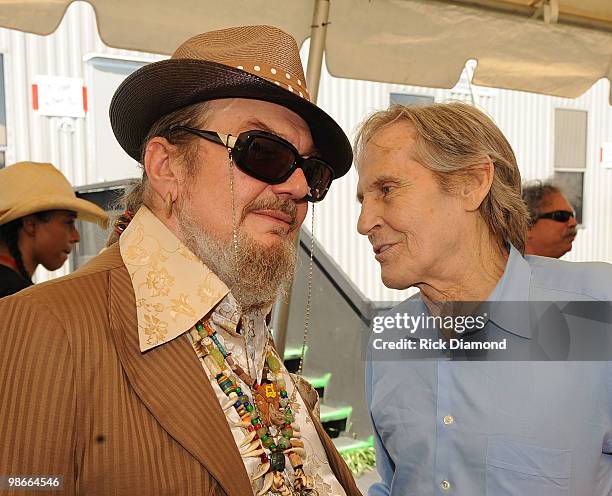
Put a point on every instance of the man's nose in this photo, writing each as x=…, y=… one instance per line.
x=295, y=187
x=75, y=237
x=367, y=219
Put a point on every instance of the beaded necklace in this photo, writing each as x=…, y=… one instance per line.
x=271, y=431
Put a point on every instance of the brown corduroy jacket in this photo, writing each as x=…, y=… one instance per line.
x=79, y=399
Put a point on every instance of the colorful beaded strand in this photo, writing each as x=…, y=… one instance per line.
x=286, y=441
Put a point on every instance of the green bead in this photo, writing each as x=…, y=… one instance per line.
x=255, y=421
x=249, y=408
x=218, y=356
x=226, y=386
x=268, y=443
x=283, y=443
x=238, y=391
x=199, y=327
x=273, y=363
x=273, y=447
x=289, y=418
x=287, y=432
x=263, y=438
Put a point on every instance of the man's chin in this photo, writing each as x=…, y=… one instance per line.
x=392, y=282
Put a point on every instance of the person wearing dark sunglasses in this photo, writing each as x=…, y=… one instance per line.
x=553, y=223
x=270, y=158
x=155, y=363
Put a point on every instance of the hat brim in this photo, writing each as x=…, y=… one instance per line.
x=84, y=209
x=161, y=88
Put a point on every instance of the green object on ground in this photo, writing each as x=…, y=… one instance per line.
x=293, y=353
x=339, y=413
x=319, y=382
x=359, y=460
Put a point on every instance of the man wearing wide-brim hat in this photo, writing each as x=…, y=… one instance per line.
x=38, y=209
x=151, y=370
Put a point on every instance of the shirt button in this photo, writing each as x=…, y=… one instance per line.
x=448, y=420
x=445, y=485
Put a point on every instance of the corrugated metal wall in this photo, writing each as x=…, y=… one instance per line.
x=526, y=119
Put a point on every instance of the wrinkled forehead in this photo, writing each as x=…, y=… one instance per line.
x=387, y=147
x=393, y=140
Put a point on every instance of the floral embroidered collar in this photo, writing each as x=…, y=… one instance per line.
x=173, y=288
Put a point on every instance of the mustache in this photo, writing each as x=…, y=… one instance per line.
x=286, y=206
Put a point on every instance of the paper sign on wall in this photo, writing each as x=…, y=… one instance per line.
x=59, y=96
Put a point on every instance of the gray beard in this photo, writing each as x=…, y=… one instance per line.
x=256, y=276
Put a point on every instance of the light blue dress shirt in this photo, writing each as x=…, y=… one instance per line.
x=498, y=428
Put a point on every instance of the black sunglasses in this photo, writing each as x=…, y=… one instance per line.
x=557, y=215
x=271, y=159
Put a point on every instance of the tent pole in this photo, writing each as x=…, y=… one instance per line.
x=318, y=32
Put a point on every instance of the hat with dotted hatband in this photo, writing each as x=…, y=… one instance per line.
x=255, y=62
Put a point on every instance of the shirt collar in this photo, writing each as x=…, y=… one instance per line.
x=506, y=305
x=173, y=287
x=507, y=302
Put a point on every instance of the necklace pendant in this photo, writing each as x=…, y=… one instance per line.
x=277, y=461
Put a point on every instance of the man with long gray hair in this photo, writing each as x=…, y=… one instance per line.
x=440, y=195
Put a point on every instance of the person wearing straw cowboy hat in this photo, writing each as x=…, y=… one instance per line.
x=37, y=213
x=155, y=373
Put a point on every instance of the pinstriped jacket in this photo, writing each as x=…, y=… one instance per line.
x=79, y=399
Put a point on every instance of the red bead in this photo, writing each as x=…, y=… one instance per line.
x=264, y=458
x=251, y=428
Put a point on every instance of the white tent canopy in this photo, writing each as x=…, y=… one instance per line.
x=556, y=47
x=428, y=43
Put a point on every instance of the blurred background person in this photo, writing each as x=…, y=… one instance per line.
x=552, y=227
x=38, y=209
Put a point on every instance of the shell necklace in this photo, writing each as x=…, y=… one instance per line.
x=271, y=431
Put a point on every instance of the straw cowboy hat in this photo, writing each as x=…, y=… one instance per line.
x=30, y=187
x=256, y=62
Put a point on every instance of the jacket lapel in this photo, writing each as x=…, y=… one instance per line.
x=172, y=384
x=336, y=462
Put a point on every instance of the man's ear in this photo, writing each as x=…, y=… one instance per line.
x=28, y=224
x=162, y=167
x=476, y=185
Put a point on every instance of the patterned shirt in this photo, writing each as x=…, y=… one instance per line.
x=174, y=289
